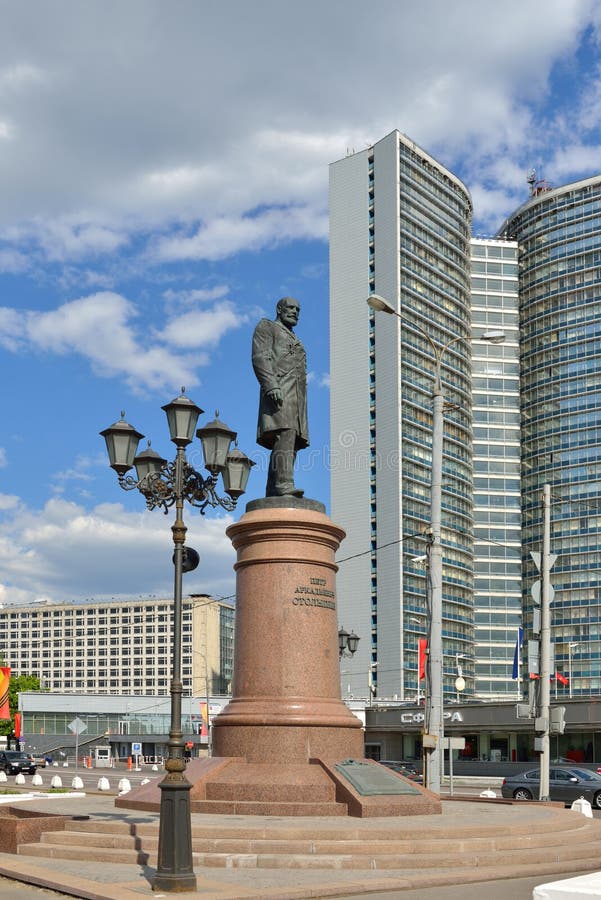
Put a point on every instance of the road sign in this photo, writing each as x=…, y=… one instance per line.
x=535, y=590
x=136, y=748
x=536, y=557
x=77, y=726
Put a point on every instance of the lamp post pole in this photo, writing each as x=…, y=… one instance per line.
x=164, y=485
x=434, y=735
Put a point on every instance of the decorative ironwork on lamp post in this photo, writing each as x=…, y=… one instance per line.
x=165, y=484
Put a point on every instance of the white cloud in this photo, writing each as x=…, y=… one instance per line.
x=202, y=328
x=101, y=328
x=228, y=116
x=56, y=550
x=194, y=296
x=225, y=236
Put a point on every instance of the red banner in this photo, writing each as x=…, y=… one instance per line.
x=422, y=653
x=4, y=683
x=17, y=725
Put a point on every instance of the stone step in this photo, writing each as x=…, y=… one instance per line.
x=578, y=857
x=395, y=829
x=268, y=808
x=275, y=793
x=240, y=844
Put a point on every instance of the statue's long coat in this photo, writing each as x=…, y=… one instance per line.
x=279, y=360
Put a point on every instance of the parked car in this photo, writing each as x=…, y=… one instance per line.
x=38, y=761
x=403, y=768
x=13, y=762
x=565, y=783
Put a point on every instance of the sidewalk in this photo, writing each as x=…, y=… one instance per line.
x=104, y=881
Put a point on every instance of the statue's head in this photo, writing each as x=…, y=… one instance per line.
x=288, y=310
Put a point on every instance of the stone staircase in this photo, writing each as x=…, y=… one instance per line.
x=559, y=842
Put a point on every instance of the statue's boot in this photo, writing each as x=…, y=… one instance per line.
x=286, y=490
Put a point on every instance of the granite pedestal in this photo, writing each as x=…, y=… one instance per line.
x=280, y=746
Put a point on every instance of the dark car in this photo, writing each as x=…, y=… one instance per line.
x=13, y=762
x=403, y=768
x=565, y=784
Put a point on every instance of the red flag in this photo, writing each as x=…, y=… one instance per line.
x=17, y=725
x=562, y=678
x=4, y=683
x=532, y=676
x=422, y=652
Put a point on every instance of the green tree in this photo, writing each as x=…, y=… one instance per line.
x=17, y=684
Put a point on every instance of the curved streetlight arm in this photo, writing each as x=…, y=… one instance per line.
x=379, y=304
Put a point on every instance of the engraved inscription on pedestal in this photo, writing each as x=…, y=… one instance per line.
x=314, y=594
x=370, y=780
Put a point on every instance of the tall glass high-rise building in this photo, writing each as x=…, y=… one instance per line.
x=559, y=235
x=400, y=227
x=496, y=449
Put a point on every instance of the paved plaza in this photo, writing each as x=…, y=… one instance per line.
x=89, y=877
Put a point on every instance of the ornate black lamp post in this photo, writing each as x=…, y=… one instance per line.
x=163, y=485
x=347, y=643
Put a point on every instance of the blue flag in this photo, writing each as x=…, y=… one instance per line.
x=516, y=654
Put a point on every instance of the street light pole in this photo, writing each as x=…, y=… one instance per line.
x=164, y=485
x=434, y=735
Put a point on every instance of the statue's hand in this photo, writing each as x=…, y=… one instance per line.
x=275, y=395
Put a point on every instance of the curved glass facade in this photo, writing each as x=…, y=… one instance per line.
x=559, y=234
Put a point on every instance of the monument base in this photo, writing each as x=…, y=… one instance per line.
x=317, y=788
x=286, y=744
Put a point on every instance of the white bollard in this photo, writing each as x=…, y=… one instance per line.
x=3, y=777
x=55, y=764
x=57, y=781
x=37, y=779
x=488, y=793
x=77, y=783
x=103, y=784
x=155, y=768
x=582, y=806
x=20, y=779
x=125, y=784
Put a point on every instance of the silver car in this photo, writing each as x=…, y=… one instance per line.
x=565, y=784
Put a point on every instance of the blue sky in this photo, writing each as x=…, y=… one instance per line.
x=163, y=174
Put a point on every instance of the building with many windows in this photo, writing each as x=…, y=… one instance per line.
x=496, y=453
x=559, y=236
x=119, y=646
x=399, y=227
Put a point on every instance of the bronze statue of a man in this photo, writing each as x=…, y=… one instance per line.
x=280, y=364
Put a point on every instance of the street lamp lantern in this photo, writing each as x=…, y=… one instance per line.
x=216, y=439
x=122, y=442
x=148, y=463
x=164, y=484
x=374, y=301
x=347, y=643
x=352, y=642
x=182, y=416
x=236, y=472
